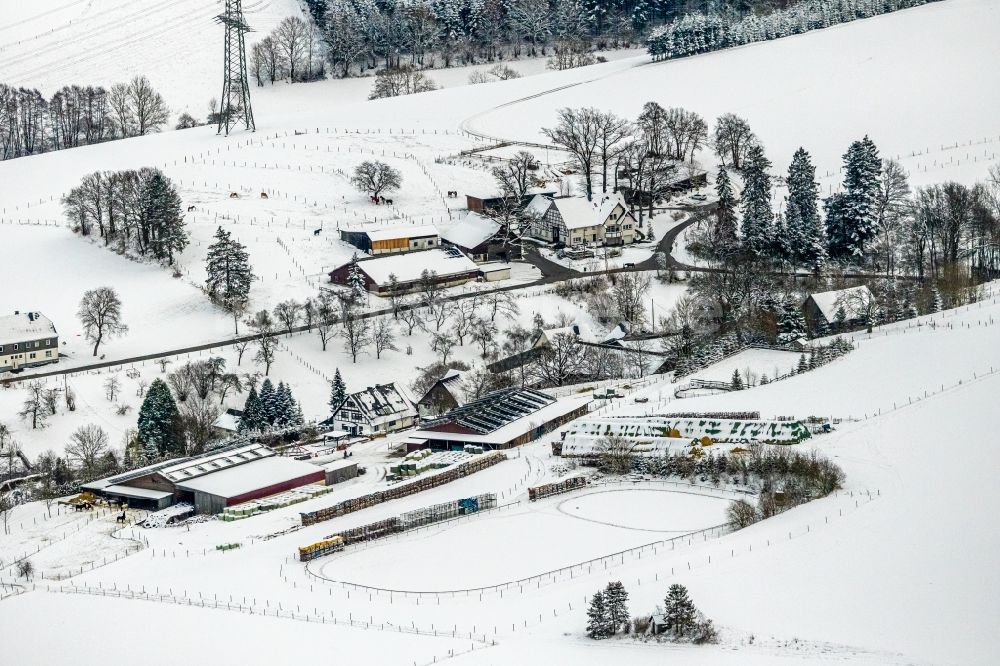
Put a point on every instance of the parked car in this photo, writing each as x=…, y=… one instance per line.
x=698, y=197
x=628, y=264
x=642, y=398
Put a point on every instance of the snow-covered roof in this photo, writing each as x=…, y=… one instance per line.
x=24, y=326
x=829, y=302
x=513, y=429
x=472, y=230
x=408, y=266
x=251, y=476
x=398, y=231
x=581, y=332
x=538, y=206
x=101, y=484
x=493, y=267
x=381, y=401
x=213, y=462
x=228, y=420
x=136, y=493
x=608, y=205
x=339, y=464
x=492, y=411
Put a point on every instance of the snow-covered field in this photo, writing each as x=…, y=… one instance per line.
x=912, y=80
x=897, y=568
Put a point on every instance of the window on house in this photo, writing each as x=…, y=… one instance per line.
x=15, y=346
x=48, y=354
x=32, y=355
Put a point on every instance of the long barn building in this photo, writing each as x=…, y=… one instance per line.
x=210, y=482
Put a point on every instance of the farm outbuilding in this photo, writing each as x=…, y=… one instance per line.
x=838, y=308
x=340, y=471
x=392, y=240
x=211, y=481
x=443, y=396
x=501, y=420
x=481, y=238
x=212, y=493
x=449, y=267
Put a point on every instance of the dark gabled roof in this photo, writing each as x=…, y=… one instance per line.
x=492, y=411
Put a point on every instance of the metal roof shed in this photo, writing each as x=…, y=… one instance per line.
x=268, y=476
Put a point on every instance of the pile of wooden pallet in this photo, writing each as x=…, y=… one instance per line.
x=321, y=548
x=549, y=489
x=403, y=490
x=410, y=520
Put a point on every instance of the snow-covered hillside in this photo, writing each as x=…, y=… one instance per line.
x=898, y=567
x=858, y=577
x=175, y=43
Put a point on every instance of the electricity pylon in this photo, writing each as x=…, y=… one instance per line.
x=235, y=103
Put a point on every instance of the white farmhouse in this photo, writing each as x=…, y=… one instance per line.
x=27, y=340
x=576, y=221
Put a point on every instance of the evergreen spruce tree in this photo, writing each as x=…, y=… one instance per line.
x=803, y=364
x=251, y=421
x=737, y=381
x=597, y=617
x=355, y=280
x=160, y=422
x=838, y=232
x=791, y=323
x=284, y=411
x=679, y=610
x=724, y=232
x=758, y=218
x=802, y=212
x=616, y=600
x=229, y=274
x=162, y=206
x=936, y=303
x=268, y=404
x=338, y=391
x=862, y=169
x=781, y=244
x=840, y=317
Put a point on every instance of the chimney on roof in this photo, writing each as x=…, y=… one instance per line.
x=17, y=312
x=31, y=316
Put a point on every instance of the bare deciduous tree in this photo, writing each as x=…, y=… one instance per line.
x=33, y=407
x=357, y=334
x=287, y=312
x=149, y=111
x=292, y=36
x=326, y=318
x=411, y=316
x=87, y=445
x=617, y=454
x=741, y=513
x=464, y=312
x=579, y=132
x=402, y=80
x=383, y=336
x=267, y=344
x=613, y=132
x=112, y=387
x=442, y=346
x=101, y=315
x=374, y=178
x=629, y=293
x=732, y=138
